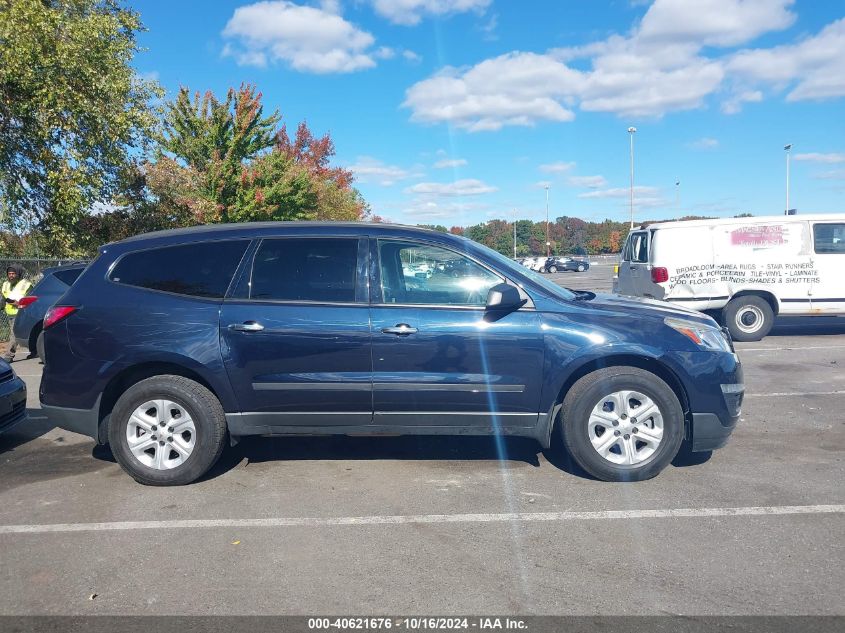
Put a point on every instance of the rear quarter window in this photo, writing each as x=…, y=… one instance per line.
x=829, y=238
x=67, y=277
x=197, y=270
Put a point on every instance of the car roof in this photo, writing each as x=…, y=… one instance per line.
x=258, y=228
x=54, y=269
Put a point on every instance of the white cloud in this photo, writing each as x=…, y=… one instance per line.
x=733, y=104
x=714, y=22
x=556, y=168
x=446, y=163
x=309, y=39
x=834, y=174
x=411, y=56
x=410, y=12
x=811, y=69
x=513, y=89
x=384, y=52
x=623, y=192
x=666, y=63
x=428, y=210
x=590, y=182
x=704, y=143
x=464, y=187
x=368, y=169
x=815, y=157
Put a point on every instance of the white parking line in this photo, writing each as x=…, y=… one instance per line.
x=520, y=517
x=787, y=349
x=795, y=393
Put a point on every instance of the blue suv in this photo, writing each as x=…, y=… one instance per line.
x=171, y=343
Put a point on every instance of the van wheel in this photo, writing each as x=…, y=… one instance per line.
x=552, y=269
x=622, y=424
x=167, y=431
x=749, y=318
x=581, y=268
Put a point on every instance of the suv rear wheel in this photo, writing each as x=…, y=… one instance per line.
x=167, y=430
x=622, y=424
x=552, y=269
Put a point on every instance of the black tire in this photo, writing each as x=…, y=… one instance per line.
x=552, y=269
x=203, y=407
x=749, y=318
x=581, y=268
x=587, y=392
x=39, y=347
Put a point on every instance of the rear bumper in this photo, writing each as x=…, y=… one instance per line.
x=12, y=403
x=82, y=421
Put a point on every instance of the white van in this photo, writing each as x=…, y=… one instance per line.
x=751, y=269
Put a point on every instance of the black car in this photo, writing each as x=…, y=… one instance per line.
x=560, y=264
x=12, y=398
x=29, y=321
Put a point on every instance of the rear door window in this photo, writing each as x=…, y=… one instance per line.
x=199, y=270
x=68, y=276
x=305, y=269
x=829, y=238
x=636, y=248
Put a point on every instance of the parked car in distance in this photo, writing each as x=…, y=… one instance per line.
x=561, y=264
x=12, y=398
x=172, y=342
x=29, y=322
x=746, y=270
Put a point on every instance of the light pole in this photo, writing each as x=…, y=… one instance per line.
x=631, y=132
x=678, y=195
x=788, y=148
x=548, y=244
x=514, y=233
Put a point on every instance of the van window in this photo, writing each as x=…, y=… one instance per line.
x=636, y=248
x=829, y=238
x=199, y=270
x=306, y=269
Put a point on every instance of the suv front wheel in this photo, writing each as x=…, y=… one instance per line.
x=622, y=424
x=167, y=430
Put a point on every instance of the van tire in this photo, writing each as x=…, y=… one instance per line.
x=749, y=318
x=552, y=269
x=197, y=401
x=589, y=391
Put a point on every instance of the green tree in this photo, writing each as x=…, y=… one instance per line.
x=224, y=161
x=72, y=110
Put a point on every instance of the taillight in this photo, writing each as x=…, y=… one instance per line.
x=25, y=301
x=56, y=314
x=659, y=274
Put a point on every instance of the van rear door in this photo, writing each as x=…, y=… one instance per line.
x=634, y=269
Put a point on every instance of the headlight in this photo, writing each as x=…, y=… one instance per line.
x=700, y=334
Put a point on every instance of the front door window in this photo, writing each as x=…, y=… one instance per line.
x=418, y=274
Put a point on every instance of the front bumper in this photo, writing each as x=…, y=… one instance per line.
x=12, y=403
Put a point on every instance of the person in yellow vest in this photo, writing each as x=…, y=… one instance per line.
x=14, y=288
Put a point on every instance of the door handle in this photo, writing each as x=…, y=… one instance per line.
x=249, y=326
x=400, y=329
x=633, y=267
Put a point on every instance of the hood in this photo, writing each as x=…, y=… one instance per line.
x=640, y=307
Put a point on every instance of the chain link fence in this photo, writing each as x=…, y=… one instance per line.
x=33, y=268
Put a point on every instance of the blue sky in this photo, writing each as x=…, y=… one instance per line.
x=459, y=111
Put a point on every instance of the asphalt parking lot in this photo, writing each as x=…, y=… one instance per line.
x=448, y=525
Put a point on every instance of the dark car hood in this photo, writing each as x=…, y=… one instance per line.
x=640, y=307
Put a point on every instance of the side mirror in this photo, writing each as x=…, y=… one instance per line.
x=504, y=297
